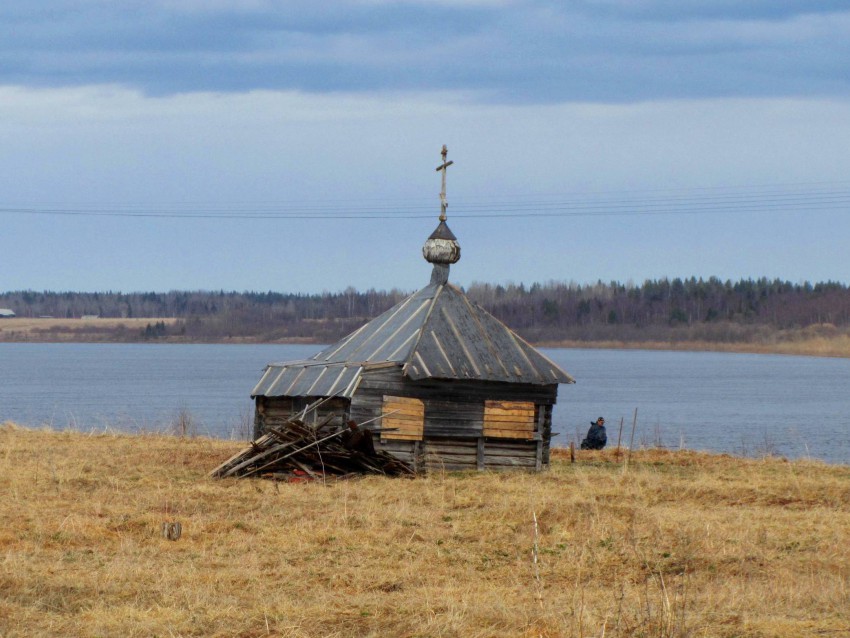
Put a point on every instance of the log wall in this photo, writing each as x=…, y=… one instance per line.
x=453, y=434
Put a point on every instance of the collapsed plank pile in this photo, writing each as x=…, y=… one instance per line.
x=296, y=449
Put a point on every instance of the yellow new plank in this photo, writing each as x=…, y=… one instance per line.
x=509, y=405
x=509, y=419
x=402, y=426
x=407, y=400
x=408, y=421
x=508, y=434
x=401, y=412
x=525, y=427
x=492, y=410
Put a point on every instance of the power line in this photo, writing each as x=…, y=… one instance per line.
x=776, y=199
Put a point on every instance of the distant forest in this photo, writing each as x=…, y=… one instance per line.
x=664, y=309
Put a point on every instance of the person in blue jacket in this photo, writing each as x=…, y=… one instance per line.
x=596, y=436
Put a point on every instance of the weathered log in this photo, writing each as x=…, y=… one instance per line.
x=172, y=530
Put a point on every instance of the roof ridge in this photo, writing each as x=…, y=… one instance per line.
x=415, y=344
x=473, y=312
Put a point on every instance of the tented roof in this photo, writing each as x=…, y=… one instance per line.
x=436, y=333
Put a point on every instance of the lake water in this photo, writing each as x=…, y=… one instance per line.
x=738, y=403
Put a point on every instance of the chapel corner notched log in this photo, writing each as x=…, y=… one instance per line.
x=457, y=388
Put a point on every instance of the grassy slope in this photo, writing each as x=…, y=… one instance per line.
x=684, y=544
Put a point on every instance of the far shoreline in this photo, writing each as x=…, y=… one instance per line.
x=824, y=340
x=838, y=348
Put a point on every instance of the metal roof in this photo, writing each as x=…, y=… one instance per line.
x=436, y=333
x=308, y=379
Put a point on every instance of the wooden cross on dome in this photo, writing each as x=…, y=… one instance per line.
x=443, y=203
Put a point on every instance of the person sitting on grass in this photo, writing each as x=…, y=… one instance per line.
x=596, y=437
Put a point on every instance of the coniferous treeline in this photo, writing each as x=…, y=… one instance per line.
x=709, y=309
x=185, y=304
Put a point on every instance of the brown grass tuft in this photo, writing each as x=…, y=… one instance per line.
x=682, y=544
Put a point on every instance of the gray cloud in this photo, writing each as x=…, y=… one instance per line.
x=614, y=51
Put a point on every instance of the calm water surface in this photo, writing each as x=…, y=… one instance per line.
x=738, y=403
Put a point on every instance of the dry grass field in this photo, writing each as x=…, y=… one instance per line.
x=680, y=544
x=19, y=329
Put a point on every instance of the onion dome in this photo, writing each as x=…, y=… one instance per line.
x=441, y=247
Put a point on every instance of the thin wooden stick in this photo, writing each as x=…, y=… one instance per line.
x=379, y=417
x=535, y=560
x=631, y=442
x=619, y=438
x=310, y=407
x=317, y=404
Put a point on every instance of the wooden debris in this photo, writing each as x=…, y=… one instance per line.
x=299, y=451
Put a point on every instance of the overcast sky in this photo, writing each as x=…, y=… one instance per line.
x=291, y=146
